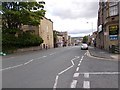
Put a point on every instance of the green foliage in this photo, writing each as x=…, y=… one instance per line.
x=85, y=39
x=10, y=41
x=22, y=13
x=54, y=36
x=16, y=14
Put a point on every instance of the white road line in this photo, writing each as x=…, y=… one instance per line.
x=56, y=80
x=79, y=64
x=52, y=54
x=86, y=84
x=100, y=72
x=68, y=67
x=44, y=56
x=73, y=84
x=5, y=68
x=11, y=67
x=57, y=77
x=82, y=57
x=17, y=66
x=85, y=53
x=86, y=75
x=65, y=70
x=28, y=62
x=76, y=75
x=21, y=64
x=77, y=69
x=81, y=61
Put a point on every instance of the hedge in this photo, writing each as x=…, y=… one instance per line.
x=10, y=41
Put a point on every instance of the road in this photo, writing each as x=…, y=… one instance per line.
x=67, y=67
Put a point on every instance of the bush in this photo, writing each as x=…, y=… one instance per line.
x=10, y=41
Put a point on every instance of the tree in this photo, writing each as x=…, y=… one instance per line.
x=85, y=39
x=55, y=39
x=16, y=14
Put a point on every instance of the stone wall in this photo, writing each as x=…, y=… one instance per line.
x=29, y=49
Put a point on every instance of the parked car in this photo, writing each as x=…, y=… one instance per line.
x=84, y=47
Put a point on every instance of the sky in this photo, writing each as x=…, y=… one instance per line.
x=77, y=17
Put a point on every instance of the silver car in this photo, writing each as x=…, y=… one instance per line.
x=84, y=47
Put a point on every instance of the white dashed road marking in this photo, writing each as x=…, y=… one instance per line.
x=28, y=62
x=57, y=77
x=86, y=84
x=44, y=56
x=77, y=69
x=73, y=84
x=86, y=75
x=76, y=75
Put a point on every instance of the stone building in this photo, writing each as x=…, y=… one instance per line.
x=65, y=38
x=59, y=41
x=108, y=25
x=44, y=30
x=69, y=41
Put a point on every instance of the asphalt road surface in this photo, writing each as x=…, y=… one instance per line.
x=67, y=67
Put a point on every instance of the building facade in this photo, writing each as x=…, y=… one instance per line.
x=44, y=30
x=108, y=25
x=46, y=33
x=69, y=41
x=59, y=39
x=65, y=38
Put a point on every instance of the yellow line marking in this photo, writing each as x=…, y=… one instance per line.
x=88, y=54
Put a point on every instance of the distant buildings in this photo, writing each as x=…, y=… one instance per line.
x=76, y=41
x=58, y=41
x=62, y=39
x=108, y=25
x=46, y=32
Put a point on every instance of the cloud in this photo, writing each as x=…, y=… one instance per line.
x=72, y=15
x=73, y=9
x=80, y=31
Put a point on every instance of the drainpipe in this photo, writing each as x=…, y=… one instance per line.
x=119, y=26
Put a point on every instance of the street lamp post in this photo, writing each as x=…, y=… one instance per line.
x=91, y=25
x=92, y=38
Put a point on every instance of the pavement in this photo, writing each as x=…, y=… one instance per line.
x=102, y=53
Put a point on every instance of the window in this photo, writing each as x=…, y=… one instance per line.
x=47, y=37
x=113, y=10
x=113, y=3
